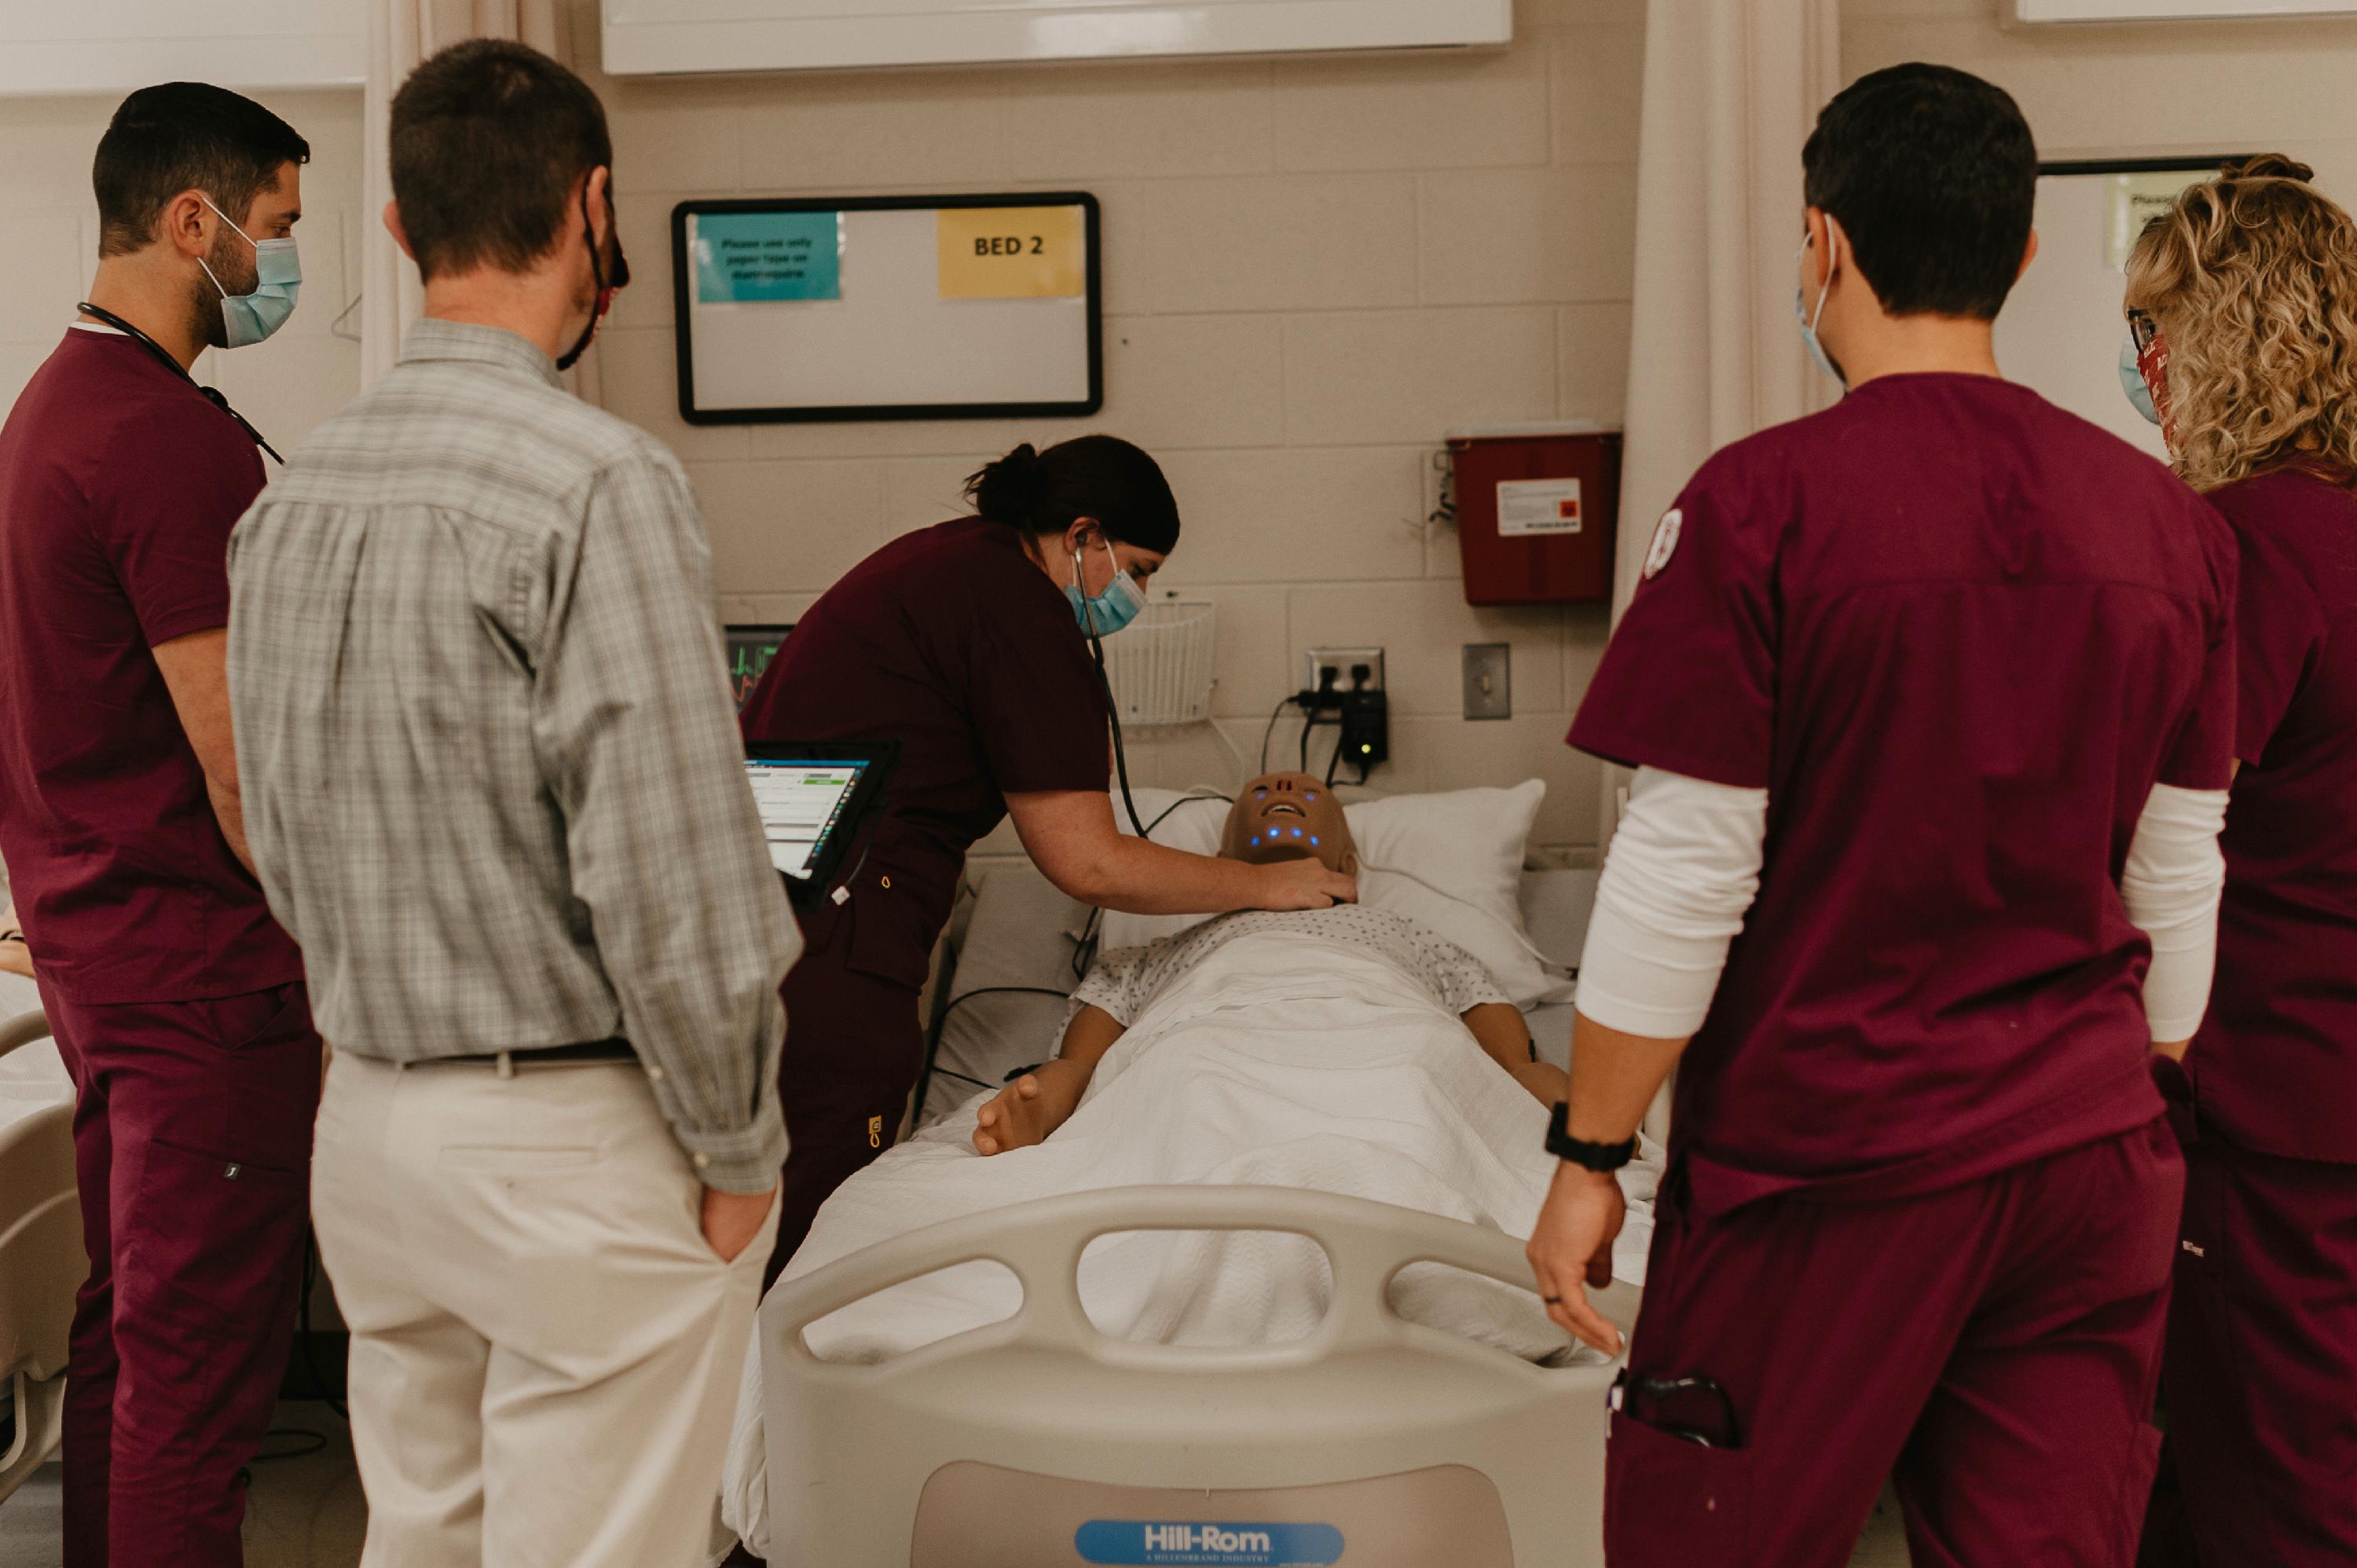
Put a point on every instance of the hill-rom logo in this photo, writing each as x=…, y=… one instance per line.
x=1138, y=1543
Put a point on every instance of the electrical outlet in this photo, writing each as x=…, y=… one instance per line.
x=1489, y=681
x=1314, y=661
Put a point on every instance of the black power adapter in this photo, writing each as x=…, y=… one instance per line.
x=1366, y=729
x=1363, y=717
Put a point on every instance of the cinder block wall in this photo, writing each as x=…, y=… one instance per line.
x=1313, y=269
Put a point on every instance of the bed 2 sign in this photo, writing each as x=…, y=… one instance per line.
x=1136, y=1543
x=1011, y=253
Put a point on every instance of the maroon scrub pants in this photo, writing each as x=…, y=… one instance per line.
x=1994, y=1346
x=854, y=1046
x=2261, y=1368
x=192, y=1151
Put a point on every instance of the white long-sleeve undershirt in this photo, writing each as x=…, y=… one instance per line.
x=1685, y=867
x=2172, y=885
x=1683, y=870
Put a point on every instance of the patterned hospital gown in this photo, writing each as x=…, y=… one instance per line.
x=1126, y=980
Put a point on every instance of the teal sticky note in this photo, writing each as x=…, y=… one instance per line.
x=752, y=257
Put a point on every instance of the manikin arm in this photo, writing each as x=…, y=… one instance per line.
x=1042, y=1100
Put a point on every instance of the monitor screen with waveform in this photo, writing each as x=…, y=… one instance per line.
x=750, y=649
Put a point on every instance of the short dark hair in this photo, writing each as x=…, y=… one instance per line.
x=1932, y=174
x=487, y=140
x=185, y=135
x=1102, y=477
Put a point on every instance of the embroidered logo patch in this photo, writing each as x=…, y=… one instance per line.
x=1666, y=541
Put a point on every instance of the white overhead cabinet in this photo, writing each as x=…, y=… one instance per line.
x=115, y=46
x=680, y=36
x=2176, y=10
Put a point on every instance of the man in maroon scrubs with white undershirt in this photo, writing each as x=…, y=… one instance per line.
x=1930, y=697
x=177, y=1002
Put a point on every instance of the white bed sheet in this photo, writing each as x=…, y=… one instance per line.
x=1294, y=1061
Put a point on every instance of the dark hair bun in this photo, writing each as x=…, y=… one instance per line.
x=2269, y=165
x=1100, y=477
x=1008, y=490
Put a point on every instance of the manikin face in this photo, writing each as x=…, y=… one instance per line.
x=1290, y=816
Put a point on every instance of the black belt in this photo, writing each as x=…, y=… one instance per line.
x=612, y=1050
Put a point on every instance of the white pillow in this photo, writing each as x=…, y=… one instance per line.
x=1451, y=860
x=1454, y=862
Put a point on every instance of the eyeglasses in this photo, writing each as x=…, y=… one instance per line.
x=2142, y=329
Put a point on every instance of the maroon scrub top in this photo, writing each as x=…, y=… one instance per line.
x=1957, y=635
x=119, y=485
x=2275, y=1066
x=952, y=641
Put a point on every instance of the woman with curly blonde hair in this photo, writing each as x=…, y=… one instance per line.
x=2243, y=318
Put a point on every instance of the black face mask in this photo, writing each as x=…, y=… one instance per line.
x=607, y=287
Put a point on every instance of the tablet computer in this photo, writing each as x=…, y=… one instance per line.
x=814, y=799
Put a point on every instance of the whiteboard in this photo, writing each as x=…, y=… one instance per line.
x=888, y=307
x=115, y=45
x=2061, y=330
x=663, y=36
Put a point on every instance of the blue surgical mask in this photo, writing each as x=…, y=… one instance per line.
x=1110, y=611
x=1808, y=321
x=278, y=278
x=2132, y=381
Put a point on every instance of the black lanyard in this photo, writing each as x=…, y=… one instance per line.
x=165, y=356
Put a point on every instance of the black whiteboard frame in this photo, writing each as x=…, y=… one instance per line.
x=821, y=413
x=2184, y=165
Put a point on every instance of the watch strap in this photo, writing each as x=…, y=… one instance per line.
x=1601, y=1157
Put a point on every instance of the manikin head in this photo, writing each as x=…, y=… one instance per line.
x=1290, y=816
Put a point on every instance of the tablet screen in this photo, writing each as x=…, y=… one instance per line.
x=802, y=803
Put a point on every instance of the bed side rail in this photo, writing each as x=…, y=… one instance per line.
x=1041, y=1242
x=23, y=1030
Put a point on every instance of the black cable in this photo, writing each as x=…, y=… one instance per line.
x=941, y=1023
x=1267, y=734
x=1335, y=761
x=961, y=1078
x=318, y=1443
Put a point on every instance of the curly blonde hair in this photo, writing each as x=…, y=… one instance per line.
x=2252, y=277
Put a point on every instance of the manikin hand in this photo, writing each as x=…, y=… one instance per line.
x=1571, y=1249
x=1030, y=1107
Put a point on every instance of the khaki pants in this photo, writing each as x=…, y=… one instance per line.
x=544, y=1352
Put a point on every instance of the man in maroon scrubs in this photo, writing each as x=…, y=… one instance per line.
x=1930, y=696
x=177, y=1002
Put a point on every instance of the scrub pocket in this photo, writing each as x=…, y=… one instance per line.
x=1672, y=1504
x=219, y=1244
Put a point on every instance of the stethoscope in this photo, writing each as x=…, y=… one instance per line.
x=1112, y=704
x=165, y=356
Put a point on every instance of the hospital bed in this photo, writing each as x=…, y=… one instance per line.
x=1039, y=1440
x=41, y=1261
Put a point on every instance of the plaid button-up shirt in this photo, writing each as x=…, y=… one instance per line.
x=492, y=774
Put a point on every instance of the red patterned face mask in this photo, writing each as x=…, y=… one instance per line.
x=2146, y=360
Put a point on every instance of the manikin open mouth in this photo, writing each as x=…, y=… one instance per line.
x=1286, y=807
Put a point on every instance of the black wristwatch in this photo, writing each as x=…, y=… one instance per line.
x=1604, y=1158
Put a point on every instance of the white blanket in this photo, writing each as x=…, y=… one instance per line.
x=1288, y=1061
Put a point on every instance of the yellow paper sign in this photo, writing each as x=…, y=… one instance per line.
x=1011, y=253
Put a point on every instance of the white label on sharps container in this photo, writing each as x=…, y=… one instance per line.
x=1537, y=506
